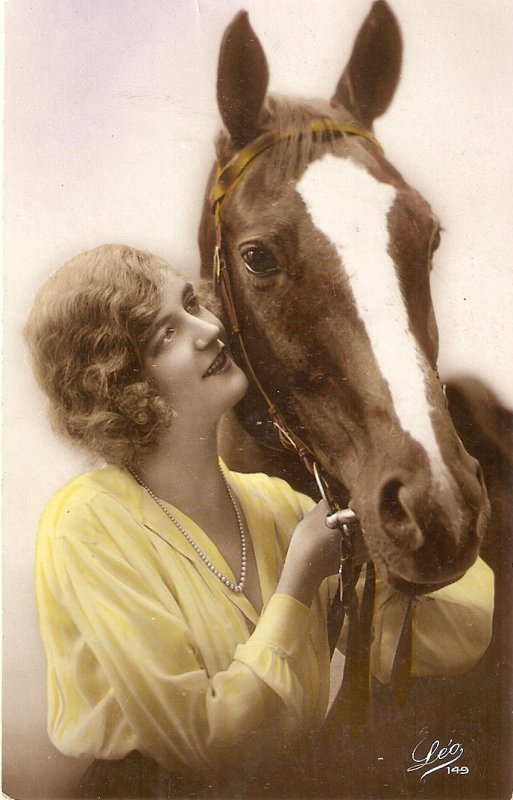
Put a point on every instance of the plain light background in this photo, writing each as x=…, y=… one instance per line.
x=110, y=118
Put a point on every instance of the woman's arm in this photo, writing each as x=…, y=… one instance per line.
x=138, y=659
x=313, y=554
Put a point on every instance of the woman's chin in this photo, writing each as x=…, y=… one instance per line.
x=240, y=391
x=233, y=385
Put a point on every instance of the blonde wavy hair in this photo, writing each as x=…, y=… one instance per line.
x=87, y=333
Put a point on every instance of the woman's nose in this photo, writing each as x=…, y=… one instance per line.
x=208, y=332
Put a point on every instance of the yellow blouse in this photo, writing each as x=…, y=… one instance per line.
x=147, y=650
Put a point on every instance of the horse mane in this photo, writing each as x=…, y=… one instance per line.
x=291, y=118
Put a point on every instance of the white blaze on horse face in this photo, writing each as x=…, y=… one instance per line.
x=350, y=207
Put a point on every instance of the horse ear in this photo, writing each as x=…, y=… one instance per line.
x=242, y=80
x=370, y=78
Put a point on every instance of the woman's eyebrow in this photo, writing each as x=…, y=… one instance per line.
x=187, y=290
x=161, y=321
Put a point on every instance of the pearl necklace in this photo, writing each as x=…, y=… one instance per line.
x=235, y=587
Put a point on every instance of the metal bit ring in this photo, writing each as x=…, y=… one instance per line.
x=340, y=518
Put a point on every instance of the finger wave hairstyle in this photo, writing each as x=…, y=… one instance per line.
x=87, y=333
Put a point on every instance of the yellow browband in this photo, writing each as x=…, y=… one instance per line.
x=229, y=174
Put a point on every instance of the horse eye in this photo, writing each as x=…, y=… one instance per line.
x=259, y=261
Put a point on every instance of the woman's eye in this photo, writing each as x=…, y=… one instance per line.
x=259, y=261
x=167, y=335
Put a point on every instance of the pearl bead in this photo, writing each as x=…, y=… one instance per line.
x=235, y=587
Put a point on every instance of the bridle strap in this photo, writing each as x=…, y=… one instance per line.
x=354, y=692
x=352, y=701
x=226, y=179
x=288, y=439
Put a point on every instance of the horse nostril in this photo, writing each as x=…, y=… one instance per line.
x=392, y=511
x=397, y=510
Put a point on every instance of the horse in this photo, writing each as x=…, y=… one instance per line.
x=329, y=253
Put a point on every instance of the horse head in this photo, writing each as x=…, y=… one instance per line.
x=330, y=252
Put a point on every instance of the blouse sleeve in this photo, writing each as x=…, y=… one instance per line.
x=147, y=657
x=452, y=627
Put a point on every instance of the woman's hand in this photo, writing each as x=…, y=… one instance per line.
x=313, y=554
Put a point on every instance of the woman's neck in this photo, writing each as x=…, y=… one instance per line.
x=184, y=470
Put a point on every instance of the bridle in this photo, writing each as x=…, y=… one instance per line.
x=226, y=179
x=353, y=697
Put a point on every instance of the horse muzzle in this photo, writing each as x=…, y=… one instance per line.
x=422, y=533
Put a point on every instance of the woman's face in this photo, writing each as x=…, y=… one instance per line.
x=186, y=360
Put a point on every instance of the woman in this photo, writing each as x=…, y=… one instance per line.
x=183, y=606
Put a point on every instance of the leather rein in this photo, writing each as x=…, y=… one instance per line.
x=352, y=701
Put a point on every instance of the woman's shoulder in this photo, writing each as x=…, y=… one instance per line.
x=271, y=491
x=109, y=485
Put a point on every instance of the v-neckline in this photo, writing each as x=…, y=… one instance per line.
x=254, y=522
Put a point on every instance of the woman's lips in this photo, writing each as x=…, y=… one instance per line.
x=220, y=364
